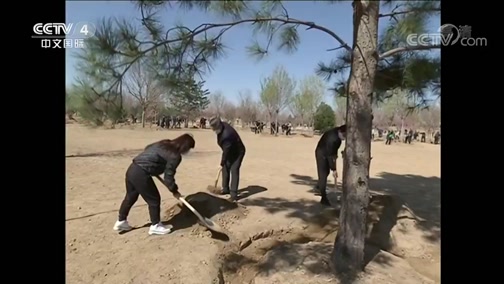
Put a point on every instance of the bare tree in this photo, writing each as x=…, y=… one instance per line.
x=430, y=118
x=312, y=88
x=276, y=92
x=309, y=96
x=217, y=102
x=397, y=108
x=247, y=110
x=298, y=108
x=380, y=118
x=141, y=86
x=229, y=111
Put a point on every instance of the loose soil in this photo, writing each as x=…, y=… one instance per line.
x=276, y=233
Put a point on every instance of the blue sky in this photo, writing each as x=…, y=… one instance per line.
x=237, y=71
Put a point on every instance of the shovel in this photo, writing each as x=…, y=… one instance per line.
x=214, y=189
x=204, y=221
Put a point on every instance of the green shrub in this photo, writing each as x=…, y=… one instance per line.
x=324, y=118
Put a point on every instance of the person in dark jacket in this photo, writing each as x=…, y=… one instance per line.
x=233, y=152
x=326, y=154
x=161, y=157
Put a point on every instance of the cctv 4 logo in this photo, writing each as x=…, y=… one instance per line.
x=61, y=29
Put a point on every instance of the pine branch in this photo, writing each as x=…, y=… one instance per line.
x=393, y=14
x=201, y=29
x=397, y=50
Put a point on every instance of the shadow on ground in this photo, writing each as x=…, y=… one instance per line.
x=421, y=194
x=250, y=190
x=390, y=192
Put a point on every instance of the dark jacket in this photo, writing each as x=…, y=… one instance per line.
x=230, y=143
x=155, y=160
x=328, y=146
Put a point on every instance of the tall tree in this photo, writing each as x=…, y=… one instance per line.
x=430, y=118
x=397, y=107
x=188, y=98
x=266, y=97
x=247, y=107
x=141, y=85
x=186, y=50
x=217, y=103
x=229, y=111
x=276, y=92
x=324, y=118
x=298, y=107
x=310, y=95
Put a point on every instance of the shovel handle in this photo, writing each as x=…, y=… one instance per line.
x=186, y=204
x=162, y=181
x=217, y=177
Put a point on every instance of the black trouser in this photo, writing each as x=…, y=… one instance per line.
x=389, y=140
x=323, y=170
x=138, y=182
x=231, y=171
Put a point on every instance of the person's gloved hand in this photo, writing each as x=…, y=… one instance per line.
x=176, y=194
x=173, y=189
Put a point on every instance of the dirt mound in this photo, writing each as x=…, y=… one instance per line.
x=302, y=255
x=220, y=210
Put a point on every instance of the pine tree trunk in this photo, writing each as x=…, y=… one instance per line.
x=348, y=253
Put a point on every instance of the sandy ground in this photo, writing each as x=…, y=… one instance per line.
x=278, y=233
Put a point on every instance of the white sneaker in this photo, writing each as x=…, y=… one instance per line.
x=159, y=229
x=122, y=226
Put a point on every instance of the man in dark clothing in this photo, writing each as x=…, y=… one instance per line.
x=326, y=154
x=233, y=152
x=422, y=138
x=161, y=157
x=437, y=137
x=163, y=121
x=272, y=128
x=410, y=136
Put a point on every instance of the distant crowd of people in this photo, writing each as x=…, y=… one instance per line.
x=258, y=127
x=409, y=136
x=168, y=122
x=286, y=128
